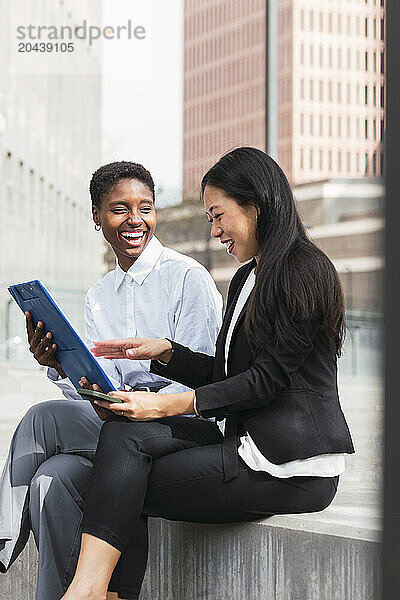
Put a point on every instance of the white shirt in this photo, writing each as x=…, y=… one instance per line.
x=163, y=294
x=324, y=465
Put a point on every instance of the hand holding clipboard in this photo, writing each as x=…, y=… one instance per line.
x=70, y=353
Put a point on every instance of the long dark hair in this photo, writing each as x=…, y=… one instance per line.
x=295, y=280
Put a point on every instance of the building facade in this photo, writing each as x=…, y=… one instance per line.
x=331, y=86
x=224, y=82
x=50, y=143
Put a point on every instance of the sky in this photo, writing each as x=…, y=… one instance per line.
x=142, y=91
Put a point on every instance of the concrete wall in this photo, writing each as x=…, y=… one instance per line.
x=285, y=558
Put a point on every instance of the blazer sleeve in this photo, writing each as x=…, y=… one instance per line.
x=260, y=384
x=193, y=369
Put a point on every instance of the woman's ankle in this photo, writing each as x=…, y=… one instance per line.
x=87, y=589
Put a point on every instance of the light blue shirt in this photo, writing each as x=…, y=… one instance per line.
x=163, y=294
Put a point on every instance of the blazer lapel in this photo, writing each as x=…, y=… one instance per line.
x=220, y=345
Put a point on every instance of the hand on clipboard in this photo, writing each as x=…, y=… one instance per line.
x=41, y=346
x=53, y=341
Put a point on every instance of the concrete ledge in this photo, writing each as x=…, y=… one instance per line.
x=19, y=583
x=267, y=560
x=294, y=557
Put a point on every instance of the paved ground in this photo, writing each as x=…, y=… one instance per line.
x=358, y=500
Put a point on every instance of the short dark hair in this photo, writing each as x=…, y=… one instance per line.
x=106, y=177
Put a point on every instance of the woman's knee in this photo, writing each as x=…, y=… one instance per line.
x=55, y=413
x=323, y=493
x=60, y=474
x=49, y=409
x=114, y=435
x=119, y=434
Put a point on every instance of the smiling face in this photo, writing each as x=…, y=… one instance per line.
x=234, y=225
x=128, y=219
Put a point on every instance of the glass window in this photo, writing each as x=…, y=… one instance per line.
x=374, y=164
x=382, y=96
x=382, y=29
x=366, y=129
x=366, y=94
x=382, y=63
x=366, y=60
x=366, y=27
x=366, y=163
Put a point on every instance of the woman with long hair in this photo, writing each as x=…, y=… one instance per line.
x=279, y=438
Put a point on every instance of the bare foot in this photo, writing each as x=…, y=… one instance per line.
x=81, y=590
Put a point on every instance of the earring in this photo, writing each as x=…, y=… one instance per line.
x=97, y=227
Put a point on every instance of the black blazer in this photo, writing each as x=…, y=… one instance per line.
x=287, y=401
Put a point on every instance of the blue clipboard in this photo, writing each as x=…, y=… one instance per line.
x=74, y=357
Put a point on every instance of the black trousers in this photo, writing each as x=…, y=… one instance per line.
x=172, y=468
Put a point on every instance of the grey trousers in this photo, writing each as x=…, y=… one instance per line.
x=43, y=486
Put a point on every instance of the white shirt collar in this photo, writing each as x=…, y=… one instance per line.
x=142, y=266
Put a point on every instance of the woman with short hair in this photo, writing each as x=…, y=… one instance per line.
x=151, y=289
